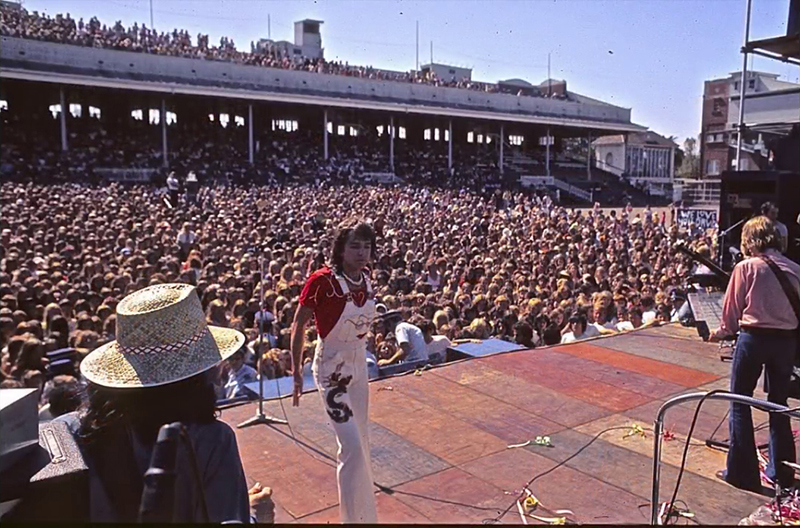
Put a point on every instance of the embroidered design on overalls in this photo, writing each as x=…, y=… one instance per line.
x=338, y=411
x=362, y=324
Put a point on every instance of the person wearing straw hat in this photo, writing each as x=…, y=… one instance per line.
x=341, y=301
x=159, y=371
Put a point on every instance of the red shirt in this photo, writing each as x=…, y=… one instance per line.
x=323, y=294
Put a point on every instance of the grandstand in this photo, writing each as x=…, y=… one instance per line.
x=131, y=104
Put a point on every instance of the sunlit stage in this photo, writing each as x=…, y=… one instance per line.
x=440, y=437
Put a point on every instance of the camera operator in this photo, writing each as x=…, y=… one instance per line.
x=159, y=371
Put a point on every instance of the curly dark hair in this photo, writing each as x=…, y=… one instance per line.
x=361, y=231
x=145, y=410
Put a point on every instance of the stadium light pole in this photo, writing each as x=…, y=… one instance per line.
x=63, y=119
x=151, y=14
x=743, y=87
x=416, y=71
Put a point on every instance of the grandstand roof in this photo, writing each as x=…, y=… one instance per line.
x=316, y=100
x=56, y=63
x=649, y=139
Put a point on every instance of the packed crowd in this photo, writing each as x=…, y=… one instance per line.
x=454, y=263
x=31, y=151
x=16, y=21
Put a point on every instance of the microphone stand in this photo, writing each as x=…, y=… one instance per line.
x=721, y=239
x=260, y=417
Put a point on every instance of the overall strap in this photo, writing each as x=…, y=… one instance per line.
x=342, y=284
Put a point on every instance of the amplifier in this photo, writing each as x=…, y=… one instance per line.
x=18, y=419
x=58, y=491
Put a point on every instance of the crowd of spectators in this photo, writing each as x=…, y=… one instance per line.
x=31, y=151
x=15, y=21
x=455, y=263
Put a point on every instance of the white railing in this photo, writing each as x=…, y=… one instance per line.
x=521, y=159
x=751, y=147
x=697, y=191
x=126, y=175
x=380, y=177
x=574, y=191
x=531, y=181
x=656, y=190
x=550, y=181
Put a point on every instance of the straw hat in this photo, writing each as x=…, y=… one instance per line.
x=162, y=337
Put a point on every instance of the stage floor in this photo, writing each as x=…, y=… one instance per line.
x=439, y=439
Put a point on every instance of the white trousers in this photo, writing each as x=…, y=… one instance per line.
x=346, y=400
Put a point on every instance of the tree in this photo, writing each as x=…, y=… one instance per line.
x=678, y=158
x=690, y=165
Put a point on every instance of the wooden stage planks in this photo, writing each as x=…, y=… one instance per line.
x=439, y=440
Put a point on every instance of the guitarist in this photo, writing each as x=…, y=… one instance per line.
x=762, y=303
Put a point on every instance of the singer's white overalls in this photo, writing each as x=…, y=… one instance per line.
x=340, y=372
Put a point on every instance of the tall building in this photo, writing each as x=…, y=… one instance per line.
x=771, y=107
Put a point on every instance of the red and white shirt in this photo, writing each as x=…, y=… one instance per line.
x=324, y=296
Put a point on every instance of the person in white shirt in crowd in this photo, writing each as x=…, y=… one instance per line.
x=192, y=187
x=409, y=339
x=634, y=321
x=437, y=344
x=579, y=329
x=434, y=278
x=239, y=373
x=648, y=310
x=173, y=186
x=770, y=210
x=186, y=239
x=602, y=321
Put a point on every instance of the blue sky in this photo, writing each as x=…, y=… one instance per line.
x=648, y=55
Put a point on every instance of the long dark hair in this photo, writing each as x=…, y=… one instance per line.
x=145, y=410
x=362, y=231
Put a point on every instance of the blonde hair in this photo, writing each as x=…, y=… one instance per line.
x=440, y=319
x=759, y=235
x=480, y=328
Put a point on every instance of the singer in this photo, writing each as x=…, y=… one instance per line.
x=761, y=304
x=340, y=299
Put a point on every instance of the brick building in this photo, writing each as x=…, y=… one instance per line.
x=768, y=101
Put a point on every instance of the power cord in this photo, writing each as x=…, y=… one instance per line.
x=331, y=462
x=720, y=424
x=496, y=520
x=670, y=511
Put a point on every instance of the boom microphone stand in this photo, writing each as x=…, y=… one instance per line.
x=260, y=417
x=722, y=235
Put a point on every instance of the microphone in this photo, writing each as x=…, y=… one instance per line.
x=158, y=496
